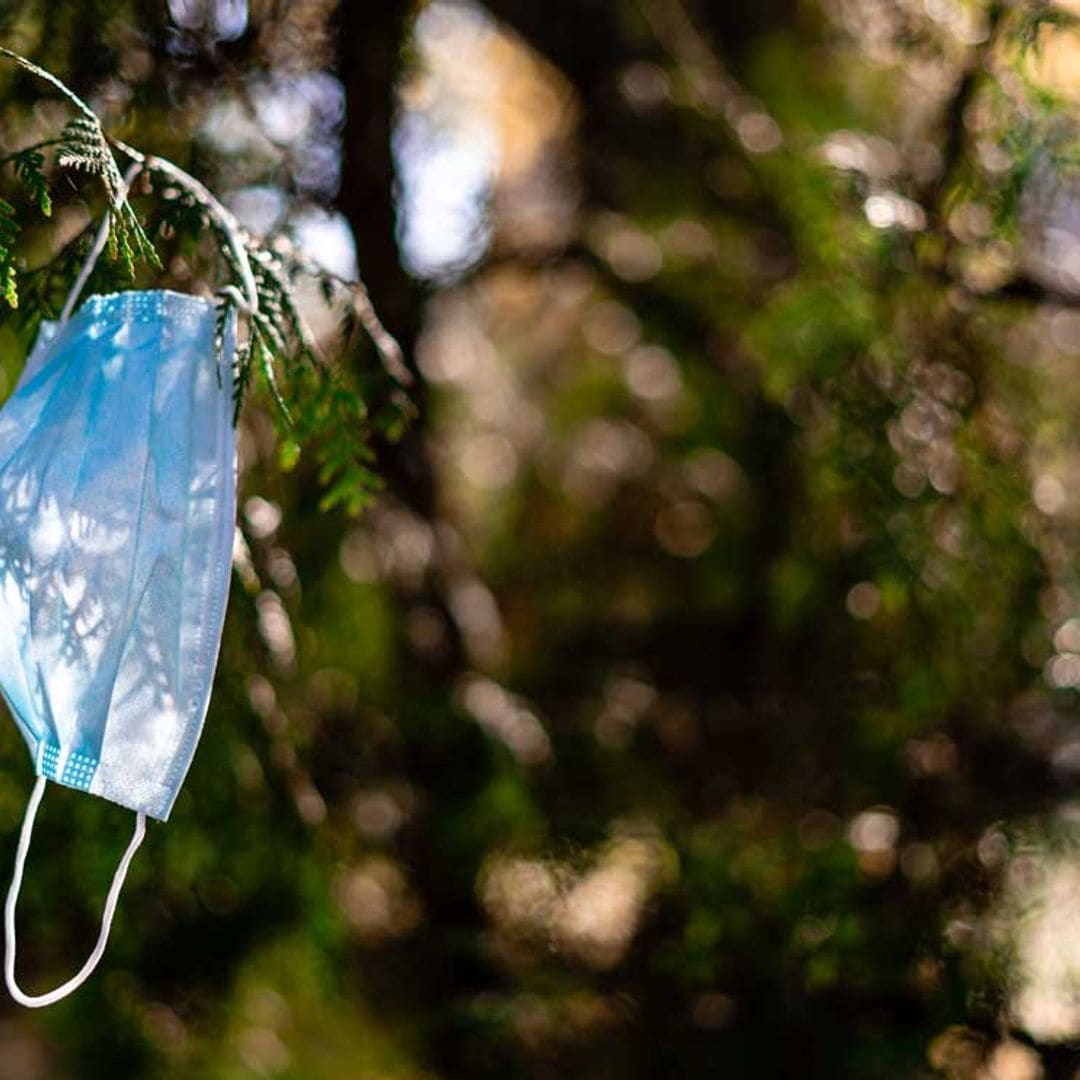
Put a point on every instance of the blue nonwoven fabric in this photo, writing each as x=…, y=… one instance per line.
x=117, y=511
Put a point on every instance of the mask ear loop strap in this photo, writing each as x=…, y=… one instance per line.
x=247, y=301
x=37, y=1001
x=100, y=242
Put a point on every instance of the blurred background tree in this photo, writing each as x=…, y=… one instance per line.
x=699, y=697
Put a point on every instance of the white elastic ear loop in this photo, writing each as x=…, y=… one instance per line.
x=37, y=1001
x=247, y=301
x=100, y=241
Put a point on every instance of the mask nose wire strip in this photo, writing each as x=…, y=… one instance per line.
x=37, y=1001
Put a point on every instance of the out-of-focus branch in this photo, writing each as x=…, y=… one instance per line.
x=954, y=120
x=713, y=90
x=1024, y=287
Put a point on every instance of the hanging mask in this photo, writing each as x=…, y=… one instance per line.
x=117, y=511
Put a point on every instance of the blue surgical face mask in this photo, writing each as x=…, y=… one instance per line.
x=117, y=504
x=117, y=511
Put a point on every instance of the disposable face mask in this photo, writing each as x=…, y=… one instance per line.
x=117, y=511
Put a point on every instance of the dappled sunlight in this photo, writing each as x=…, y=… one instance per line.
x=480, y=117
x=506, y=717
x=377, y=902
x=590, y=914
x=1032, y=926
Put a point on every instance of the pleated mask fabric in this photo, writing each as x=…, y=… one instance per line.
x=117, y=510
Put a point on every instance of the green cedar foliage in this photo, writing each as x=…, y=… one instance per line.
x=315, y=401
